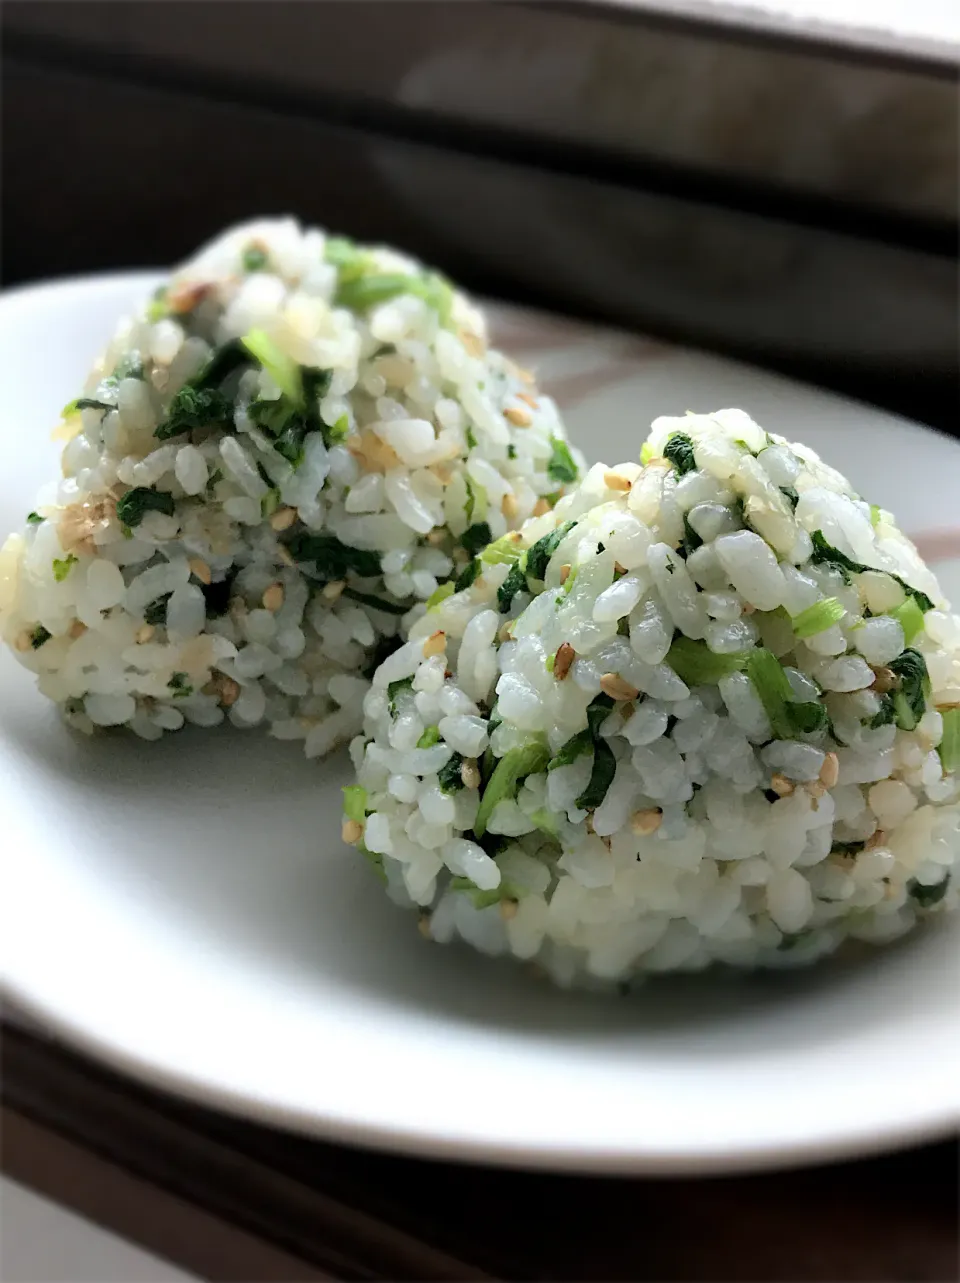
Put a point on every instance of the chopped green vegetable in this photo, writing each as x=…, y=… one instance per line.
x=39, y=636
x=270, y=502
x=697, y=665
x=949, y=747
x=790, y=495
x=511, y=451
x=130, y=366
x=509, y=772
x=818, y=617
x=471, y=438
x=691, y=541
x=538, y=556
x=575, y=747
x=469, y=575
x=394, y=689
x=847, y=848
x=598, y=711
x=62, y=568
x=194, y=408
x=791, y=939
x=449, y=776
x=283, y=369
x=156, y=612
x=440, y=594
x=679, y=450
x=601, y=777
x=180, y=686
x=909, y=700
x=333, y=559
x=158, y=307
x=354, y=802
x=875, y=514
x=429, y=737
x=136, y=503
x=503, y=551
x=561, y=467
x=230, y=356
x=375, y=603
x=476, y=504
x=824, y=554
x=549, y=662
x=339, y=432
x=787, y=719
x=476, y=537
x=516, y=581
x=344, y=254
x=485, y=899
x=254, y=259
x=926, y=897
x=34, y=519
x=910, y=617
x=647, y=453
x=86, y=403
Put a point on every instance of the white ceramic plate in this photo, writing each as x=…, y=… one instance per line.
x=186, y=910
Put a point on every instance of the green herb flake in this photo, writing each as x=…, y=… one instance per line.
x=34, y=519
x=394, y=689
x=469, y=575
x=440, y=595
x=254, y=258
x=926, y=896
x=194, y=408
x=575, y=747
x=62, y=568
x=601, y=776
x=503, y=551
x=647, y=453
x=790, y=494
x=156, y=612
x=332, y=558
x=910, y=617
x=129, y=366
x=136, y=503
x=507, y=776
x=471, y=438
x=909, y=700
x=375, y=603
x=485, y=899
x=511, y=451
x=697, y=665
x=158, y=307
x=354, y=802
x=450, y=775
x=476, y=537
x=818, y=617
x=339, y=432
x=680, y=451
x=561, y=467
x=87, y=403
x=787, y=719
x=429, y=737
x=538, y=556
x=270, y=502
x=180, y=685
x=39, y=636
x=949, y=747
x=284, y=371
x=516, y=581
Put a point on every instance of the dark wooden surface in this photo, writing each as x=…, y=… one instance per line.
x=234, y=1201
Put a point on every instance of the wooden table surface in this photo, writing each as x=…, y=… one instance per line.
x=230, y=1200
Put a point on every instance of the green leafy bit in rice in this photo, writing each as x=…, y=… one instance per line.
x=130, y=366
x=824, y=554
x=484, y=899
x=538, y=556
x=440, y=595
x=469, y=575
x=471, y=438
x=697, y=665
x=39, y=636
x=179, y=683
x=561, y=466
x=949, y=747
x=332, y=559
x=679, y=450
x=270, y=502
x=375, y=603
x=575, y=747
x=907, y=703
x=430, y=736
x=791, y=939
x=926, y=896
x=847, y=848
x=503, y=551
x=604, y=763
x=34, y=519
x=647, y=453
x=283, y=369
x=875, y=514
x=691, y=541
x=226, y=360
x=156, y=612
x=790, y=495
x=910, y=617
x=476, y=537
x=136, y=503
x=193, y=408
x=476, y=503
x=63, y=566
x=394, y=689
x=818, y=617
x=158, y=307
x=254, y=258
x=507, y=776
x=516, y=581
x=787, y=719
x=354, y=802
x=85, y=403
x=450, y=775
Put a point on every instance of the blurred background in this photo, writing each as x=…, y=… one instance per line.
x=781, y=191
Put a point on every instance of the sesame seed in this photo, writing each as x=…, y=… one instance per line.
x=613, y=684
x=614, y=481
x=509, y=506
x=528, y=399
x=518, y=415
x=830, y=770
x=23, y=642
x=273, y=597
x=423, y=926
x=506, y=631
x=332, y=590
x=200, y=569
x=227, y=690
x=884, y=679
x=77, y=629
x=470, y=773
x=781, y=785
x=351, y=832
x=283, y=518
x=562, y=660
x=508, y=909
x=565, y=572
x=435, y=644
x=435, y=537
x=643, y=823
x=144, y=633
x=541, y=507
